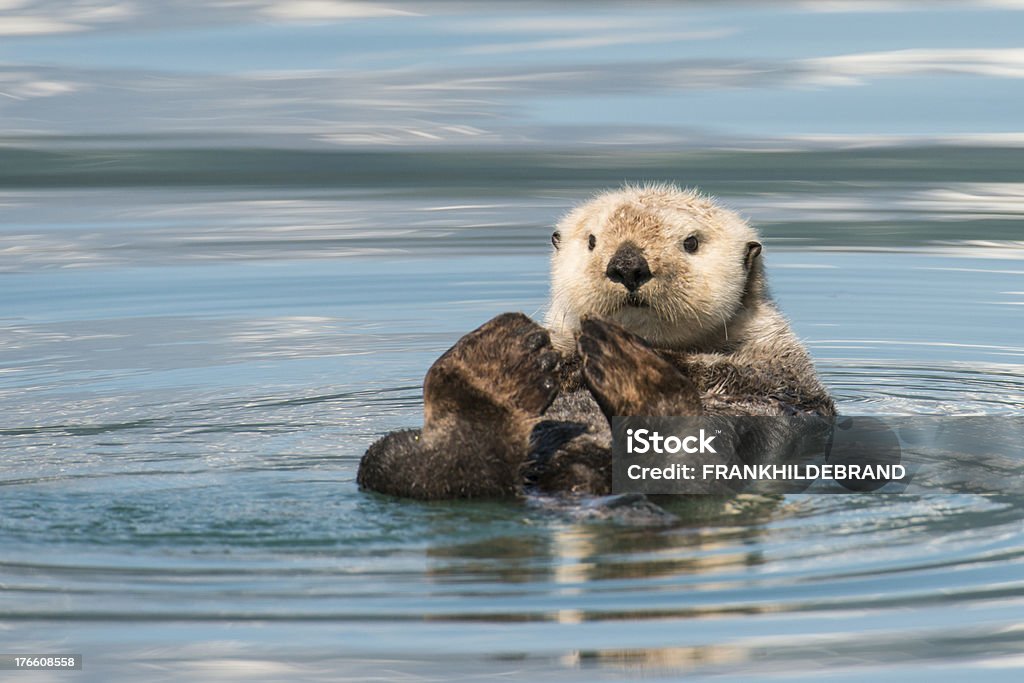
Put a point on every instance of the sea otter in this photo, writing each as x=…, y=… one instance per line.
x=658, y=307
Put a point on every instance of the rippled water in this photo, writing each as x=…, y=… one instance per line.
x=190, y=372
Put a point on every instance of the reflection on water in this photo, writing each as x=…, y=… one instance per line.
x=234, y=235
x=189, y=378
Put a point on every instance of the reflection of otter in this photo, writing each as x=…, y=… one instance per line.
x=658, y=308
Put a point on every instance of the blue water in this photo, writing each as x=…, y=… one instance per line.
x=234, y=236
x=190, y=373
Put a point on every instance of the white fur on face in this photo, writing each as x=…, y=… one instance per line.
x=688, y=294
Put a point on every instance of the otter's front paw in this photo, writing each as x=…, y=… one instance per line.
x=503, y=369
x=628, y=377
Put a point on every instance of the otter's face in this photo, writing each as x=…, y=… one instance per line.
x=666, y=264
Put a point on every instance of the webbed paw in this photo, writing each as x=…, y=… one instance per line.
x=628, y=377
x=501, y=371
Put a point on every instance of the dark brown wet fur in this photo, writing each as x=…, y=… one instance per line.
x=482, y=399
x=628, y=377
x=496, y=423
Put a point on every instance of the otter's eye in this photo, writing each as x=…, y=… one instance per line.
x=592, y=242
x=556, y=238
x=690, y=244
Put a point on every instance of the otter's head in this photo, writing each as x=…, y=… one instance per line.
x=668, y=264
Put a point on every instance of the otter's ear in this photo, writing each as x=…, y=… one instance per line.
x=556, y=238
x=753, y=251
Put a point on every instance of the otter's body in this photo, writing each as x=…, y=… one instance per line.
x=658, y=307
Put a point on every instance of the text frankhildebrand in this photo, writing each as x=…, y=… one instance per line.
x=717, y=455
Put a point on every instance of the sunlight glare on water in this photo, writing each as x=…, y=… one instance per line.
x=218, y=288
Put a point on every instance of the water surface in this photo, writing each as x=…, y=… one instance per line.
x=234, y=236
x=192, y=367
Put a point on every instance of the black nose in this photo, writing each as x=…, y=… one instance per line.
x=628, y=267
